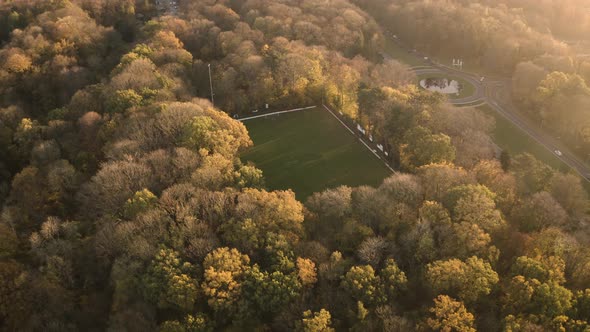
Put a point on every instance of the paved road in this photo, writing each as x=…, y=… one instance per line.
x=499, y=99
x=478, y=93
x=496, y=93
x=432, y=68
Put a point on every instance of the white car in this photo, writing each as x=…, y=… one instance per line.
x=557, y=152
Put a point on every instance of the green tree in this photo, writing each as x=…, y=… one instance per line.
x=249, y=177
x=505, y=160
x=140, y=202
x=435, y=214
x=421, y=147
x=168, y=281
x=270, y=291
x=564, y=323
x=467, y=280
x=363, y=285
x=559, y=89
x=531, y=174
x=541, y=268
x=394, y=280
x=464, y=240
x=123, y=100
x=581, y=305
x=546, y=300
x=191, y=323
x=520, y=323
x=437, y=179
x=536, y=288
x=422, y=241
x=263, y=220
x=475, y=204
x=202, y=133
x=316, y=322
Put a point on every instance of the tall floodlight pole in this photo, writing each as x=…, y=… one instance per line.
x=211, y=85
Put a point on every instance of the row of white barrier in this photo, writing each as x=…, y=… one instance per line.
x=361, y=140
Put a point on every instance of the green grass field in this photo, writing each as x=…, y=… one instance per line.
x=401, y=54
x=468, y=88
x=468, y=65
x=512, y=139
x=310, y=151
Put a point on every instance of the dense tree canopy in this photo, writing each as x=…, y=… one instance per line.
x=125, y=205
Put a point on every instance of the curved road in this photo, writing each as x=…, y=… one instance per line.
x=478, y=93
x=497, y=94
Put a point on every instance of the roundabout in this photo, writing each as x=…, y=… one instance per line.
x=495, y=92
x=460, y=89
x=442, y=85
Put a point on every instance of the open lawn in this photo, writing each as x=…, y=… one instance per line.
x=468, y=66
x=512, y=139
x=310, y=151
x=467, y=91
x=402, y=55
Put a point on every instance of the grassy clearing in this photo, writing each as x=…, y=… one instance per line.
x=468, y=66
x=310, y=151
x=401, y=54
x=512, y=139
x=515, y=141
x=467, y=91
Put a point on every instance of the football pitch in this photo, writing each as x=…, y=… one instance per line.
x=310, y=151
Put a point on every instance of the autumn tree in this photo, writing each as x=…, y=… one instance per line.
x=469, y=280
x=475, y=204
x=222, y=285
x=450, y=315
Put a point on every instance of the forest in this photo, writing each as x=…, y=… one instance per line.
x=125, y=206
